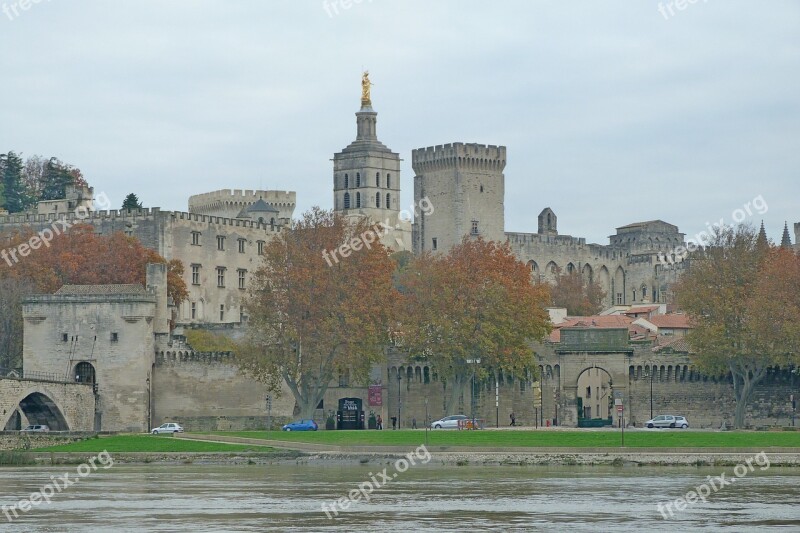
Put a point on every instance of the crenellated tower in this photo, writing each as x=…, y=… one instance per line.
x=466, y=186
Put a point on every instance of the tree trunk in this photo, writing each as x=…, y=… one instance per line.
x=743, y=385
x=456, y=387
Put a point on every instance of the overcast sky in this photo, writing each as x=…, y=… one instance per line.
x=612, y=112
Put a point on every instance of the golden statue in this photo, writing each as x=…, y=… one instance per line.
x=365, y=85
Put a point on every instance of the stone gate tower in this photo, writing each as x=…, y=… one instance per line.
x=366, y=177
x=466, y=186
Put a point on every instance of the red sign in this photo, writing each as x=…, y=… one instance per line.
x=619, y=408
x=376, y=395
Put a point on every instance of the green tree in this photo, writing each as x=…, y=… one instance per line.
x=131, y=202
x=13, y=187
x=743, y=297
x=475, y=303
x=56, y=177
x=313, y=315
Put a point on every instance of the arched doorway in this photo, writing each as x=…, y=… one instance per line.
x=595, y=393
x=84, y=373
x=39, y=409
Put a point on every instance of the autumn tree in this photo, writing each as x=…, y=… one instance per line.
x=80, y=257
x=581, y=297
x=474, y=303
x=744, y=299
x=311, y=317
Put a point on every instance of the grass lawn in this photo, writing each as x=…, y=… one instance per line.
x=149, y=443
x=579, y=439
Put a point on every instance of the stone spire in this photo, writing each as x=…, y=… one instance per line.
x=786, y=241
x=761, y=240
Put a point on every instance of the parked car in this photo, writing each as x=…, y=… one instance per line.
x=448, y=422
x=301, y=425
x=668, y=421
x=36, y=428
x=681, y=422
x=169, y=427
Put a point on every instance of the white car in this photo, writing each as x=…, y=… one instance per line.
x=667, y=421
x=169, y=427
x=448, y=422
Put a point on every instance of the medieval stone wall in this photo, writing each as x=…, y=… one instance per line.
x=208, y=392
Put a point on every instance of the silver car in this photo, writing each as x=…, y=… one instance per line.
x=448, y=422
x=667, y=421
x=169, y=427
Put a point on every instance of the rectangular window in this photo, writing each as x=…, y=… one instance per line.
x=194, y=310
x=474, y=230
x=64, y=337
x=220, y=276
x=114, y=337
x=195, y=274
x=619, y=298
x=222, y=312
x=260, y=247
x=434, y=244
x=195, y=238
x=242, y=273
x=220, y=242
x=241, y=245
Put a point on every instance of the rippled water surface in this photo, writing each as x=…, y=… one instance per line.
x=200, y=498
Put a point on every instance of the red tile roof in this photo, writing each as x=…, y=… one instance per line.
x=608, y=321
x=671, y=321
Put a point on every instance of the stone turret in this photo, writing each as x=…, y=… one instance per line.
x=786, y=241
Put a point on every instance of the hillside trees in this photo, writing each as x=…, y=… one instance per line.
x=744, y=298
x=311, y=317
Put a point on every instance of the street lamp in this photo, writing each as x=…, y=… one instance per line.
x=472, y=396
x=149, y=406
x=649, y=371
x=399, y=378
x=427, y=421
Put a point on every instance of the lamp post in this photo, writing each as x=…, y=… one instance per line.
x=650, y=371
x=472, y=395
x=150, y=409
x=399, y=378
x=427, y=421
x=496, y=401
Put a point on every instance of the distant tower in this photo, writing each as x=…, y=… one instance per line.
x=466, y=186
x=786, y=241
x=761, y=240
x=548, y=222
x=366, y=176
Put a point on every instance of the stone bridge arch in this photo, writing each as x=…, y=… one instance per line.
x=61, y=406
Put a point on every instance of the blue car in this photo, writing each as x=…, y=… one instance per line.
x=301, y=425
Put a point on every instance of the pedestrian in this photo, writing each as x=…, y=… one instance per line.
x=513, y=419
x=394, y=422
x=413, y=423
x=379, y=425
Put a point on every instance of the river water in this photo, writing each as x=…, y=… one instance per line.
x=203, y=498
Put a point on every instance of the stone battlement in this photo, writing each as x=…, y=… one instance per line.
x=133, y=215
x=175, y=357
x=241, y=196
x=461, y=155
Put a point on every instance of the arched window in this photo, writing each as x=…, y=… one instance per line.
x=346, y=181
x=388, y=181
x=358, y=179
x=388, y=201
x=377, y=199
x=377, y=179
x=347, y=200
x=358, y=200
